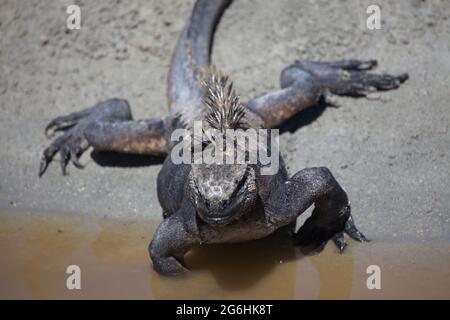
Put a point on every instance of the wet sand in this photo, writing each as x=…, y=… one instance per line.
x=36, y=250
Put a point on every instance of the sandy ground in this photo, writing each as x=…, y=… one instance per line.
x=391, y=153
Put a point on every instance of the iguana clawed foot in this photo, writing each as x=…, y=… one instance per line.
x=76, y=127
x=315, y=236
x=70, y=145
x=351, y=230
x=350, y=77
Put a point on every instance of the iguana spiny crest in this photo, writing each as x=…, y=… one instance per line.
x=224, y=109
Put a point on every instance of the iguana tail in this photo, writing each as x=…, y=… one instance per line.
x=192, y=57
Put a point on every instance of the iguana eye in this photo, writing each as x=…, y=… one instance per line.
x=205, y=144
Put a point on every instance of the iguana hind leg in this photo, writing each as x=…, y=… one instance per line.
x=299, y=90
x=303, y=83
x=108, y=126
x=350, y=77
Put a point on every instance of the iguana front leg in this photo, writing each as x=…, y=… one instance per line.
x=172, y=239
x=331, y=215
x=108, y=126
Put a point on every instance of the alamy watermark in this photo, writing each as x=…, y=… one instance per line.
x=373, y=21
x=73, y=281
x=231, y=146
x=374, y=280
x=73, y=21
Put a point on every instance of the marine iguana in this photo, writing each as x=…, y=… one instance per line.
x=220, y=203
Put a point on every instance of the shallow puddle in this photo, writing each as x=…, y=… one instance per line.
x=36, y=249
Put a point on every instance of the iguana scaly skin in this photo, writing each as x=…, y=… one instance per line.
x=224, y=202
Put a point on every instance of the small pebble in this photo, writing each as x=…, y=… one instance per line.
x=374, y=96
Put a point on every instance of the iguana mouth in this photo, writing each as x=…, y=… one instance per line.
x=224, y=212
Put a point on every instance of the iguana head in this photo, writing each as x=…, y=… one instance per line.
x=222, y=192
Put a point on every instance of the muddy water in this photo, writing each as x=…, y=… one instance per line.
x=36, y=249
